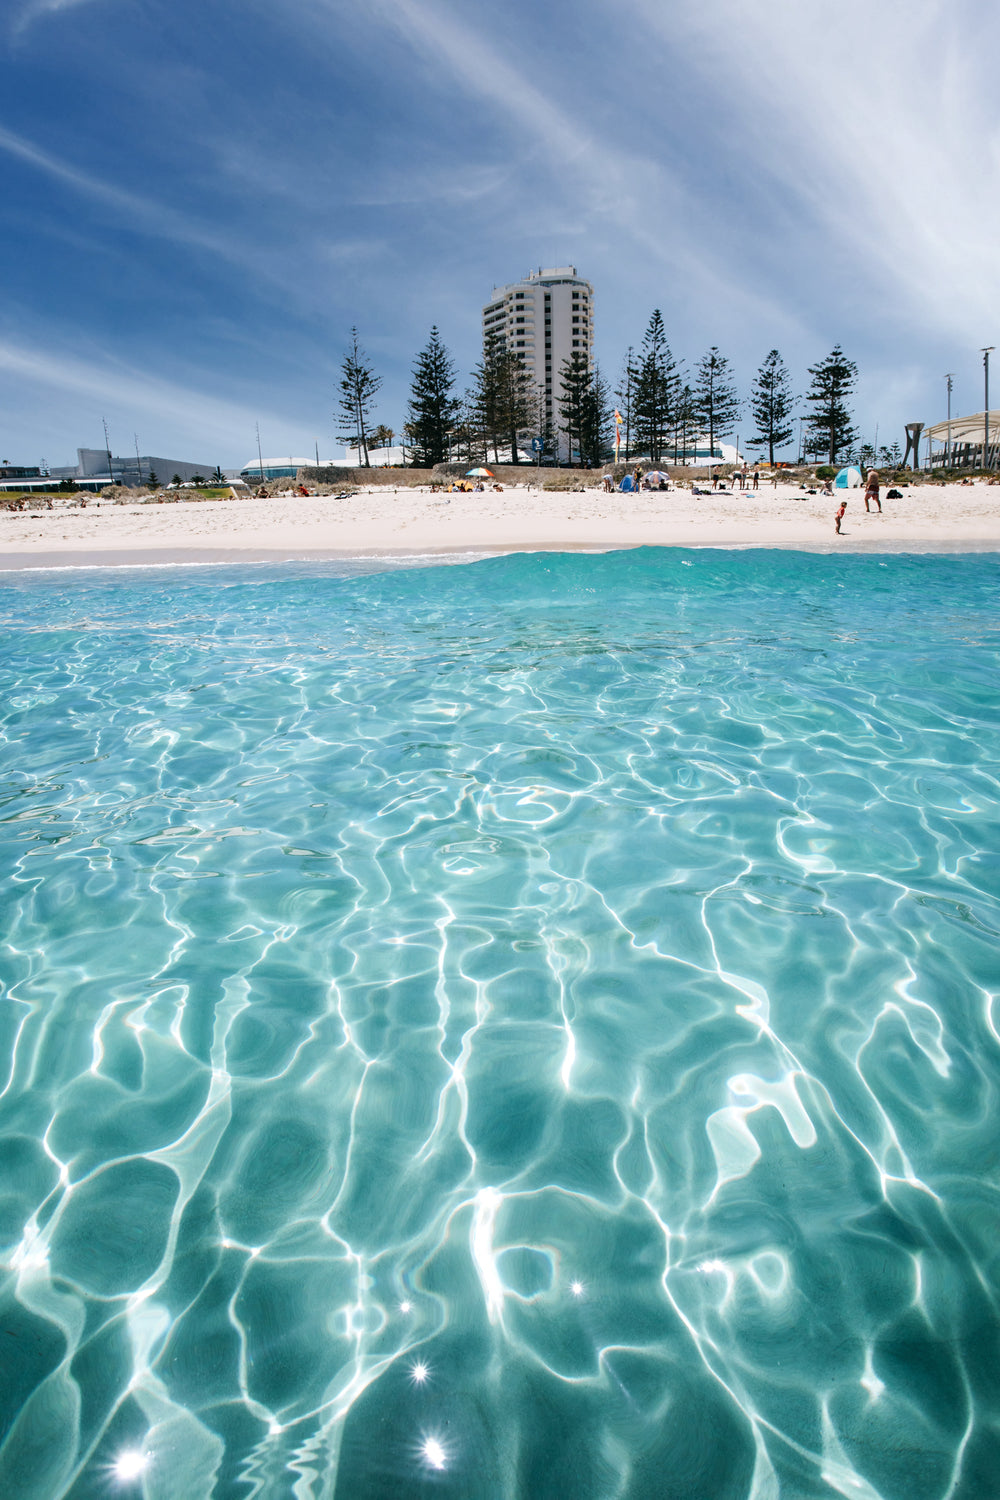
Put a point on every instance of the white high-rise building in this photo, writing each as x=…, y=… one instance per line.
x=546, y=318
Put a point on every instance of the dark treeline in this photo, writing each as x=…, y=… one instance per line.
x=661, y=410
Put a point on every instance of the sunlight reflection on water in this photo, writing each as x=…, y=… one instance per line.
x=517, y=1029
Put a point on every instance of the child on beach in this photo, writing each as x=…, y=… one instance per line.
x=839, y=516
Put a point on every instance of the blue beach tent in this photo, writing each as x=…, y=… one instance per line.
x=627, y=483
x=848, y=479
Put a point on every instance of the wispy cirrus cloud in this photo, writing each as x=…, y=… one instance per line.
x=108, y=385
x=267, y=264
x=36, y=10
x=592, y=181
x=147, y=215
x=879, y=125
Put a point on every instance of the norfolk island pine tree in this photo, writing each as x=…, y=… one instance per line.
x=359, y=385
x=656, y=389
x=575, y=385
x=771, y=405
x=829, y=424
x=716, y=401
x=433, y=409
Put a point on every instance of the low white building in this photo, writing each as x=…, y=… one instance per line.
x=281, y=468
x=378, y=458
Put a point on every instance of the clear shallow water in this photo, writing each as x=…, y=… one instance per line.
x=522, y=1029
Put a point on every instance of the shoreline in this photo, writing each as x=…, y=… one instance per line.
x=409, y=524
x=69, y=562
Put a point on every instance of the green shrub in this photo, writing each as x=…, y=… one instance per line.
x=826, y=471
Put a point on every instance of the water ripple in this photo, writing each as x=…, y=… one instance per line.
x=519, y=1029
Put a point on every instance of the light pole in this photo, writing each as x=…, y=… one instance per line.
x=947, y=451
x=107, y=447
x=986, y=405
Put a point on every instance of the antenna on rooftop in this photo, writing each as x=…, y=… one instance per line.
x=259, y=458
x=138, y=460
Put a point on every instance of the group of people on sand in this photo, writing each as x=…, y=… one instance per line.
x=741, y=478
x=658, y=480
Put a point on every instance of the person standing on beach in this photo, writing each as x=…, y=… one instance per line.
x=871, y=490
x=756, y=479
x=839, y=516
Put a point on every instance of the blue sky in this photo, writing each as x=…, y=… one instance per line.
x=202, y=198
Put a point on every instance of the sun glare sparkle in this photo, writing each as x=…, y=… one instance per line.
x=433, y=1452
x=420, y=1372
x=406, y=1307
x=130, y=1465
x=577, y=1288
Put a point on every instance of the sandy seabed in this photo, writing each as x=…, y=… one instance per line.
x=384, y=521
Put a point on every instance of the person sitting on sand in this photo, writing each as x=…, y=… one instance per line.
x=827, y=486
x=839, y=516
x=871, y=490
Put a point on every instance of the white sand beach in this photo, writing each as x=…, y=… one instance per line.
x=382, y=520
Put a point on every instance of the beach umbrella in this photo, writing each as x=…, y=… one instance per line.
x=656, y=476
x=478, y=474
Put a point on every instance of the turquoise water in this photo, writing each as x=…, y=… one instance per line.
x=518, y=1029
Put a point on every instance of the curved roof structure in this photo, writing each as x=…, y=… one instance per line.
x=965, y=429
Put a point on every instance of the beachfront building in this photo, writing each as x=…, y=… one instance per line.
x=546, y=319
x=378, y=458
x=961, y=442
x=281, y=468
x=95, y=468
